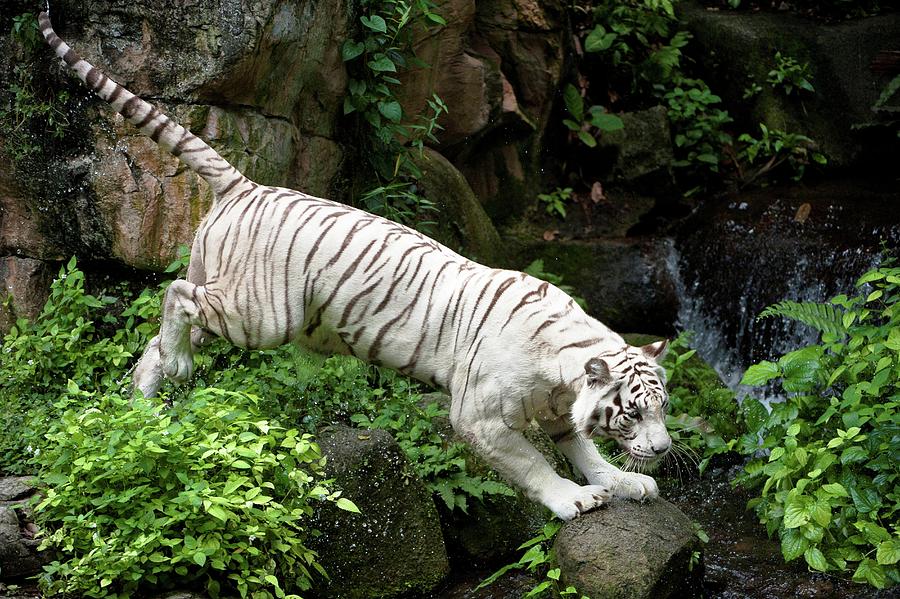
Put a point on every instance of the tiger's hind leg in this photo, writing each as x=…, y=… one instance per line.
x=179, y=312
x=148, y=373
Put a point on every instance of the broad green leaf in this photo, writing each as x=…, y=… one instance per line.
x=347, y=505
x=760, y=374
x=888, y=552
x=793, y=544
x=599, y=39
x=816, y=559
x=200, y=558
x=375, y=23
x=351, y=49
x=391, y=110
x=382, y=64
x=606, y=122
x=795, y=514
x=574, y=102
x=836, y=489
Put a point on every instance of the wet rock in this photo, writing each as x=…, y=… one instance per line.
x=739, y=48
x=462, y=223
x=800, y=243
x=394, y=546
x=641, y=152
x=27, y=282
x=629, y=550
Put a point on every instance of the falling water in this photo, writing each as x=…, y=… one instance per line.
x=736, y=259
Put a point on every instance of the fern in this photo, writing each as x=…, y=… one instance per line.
x=825, y=318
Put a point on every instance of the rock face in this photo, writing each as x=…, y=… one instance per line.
x=394, y=546
x=840, y=59
x=630, y=551
x=18, y=547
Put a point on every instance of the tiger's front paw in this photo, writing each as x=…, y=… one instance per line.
x=569, y=500
x=633, y=485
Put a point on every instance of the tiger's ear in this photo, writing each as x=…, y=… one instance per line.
x=656, y=351
x=597, y=371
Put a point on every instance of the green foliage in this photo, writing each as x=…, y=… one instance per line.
x=790, y=75
x=555, y=201
x=773, y=149
x=539, y=559
x=638, y=38
x=825, y=318
x=63, y=343
x=704, y=415
x=586, y=125
x=536, y=270
x=830, y=482
x=29, y=113
x=381, y=50
x=441, y=465
x=208, y=491
x=698, y=124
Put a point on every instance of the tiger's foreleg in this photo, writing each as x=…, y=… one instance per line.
x=510, y=454
x=148, y=373
x=583, y=454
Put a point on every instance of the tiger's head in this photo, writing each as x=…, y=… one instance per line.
x=624, y=398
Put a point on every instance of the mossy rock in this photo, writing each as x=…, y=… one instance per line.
x=462, y=224
x=395, y=546
x=631, y=550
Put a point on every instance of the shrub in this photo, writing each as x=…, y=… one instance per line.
x=63, y=343
x=828, y=479
x=705, y=418
x=208, y=491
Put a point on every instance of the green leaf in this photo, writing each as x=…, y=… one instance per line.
x=382, y=64
x=795, y=514
x=200, y=558
x=888, y=552
x=836, y=489
x=347, y=505
x=351, y=49
x=606, y=122
x=761, y=373
x=793, y=544
x=869, y=571
x=816, y=559
x=588, y=140
x=375, y=23
x=574, y=102
x=391, y=110
x=599, y=39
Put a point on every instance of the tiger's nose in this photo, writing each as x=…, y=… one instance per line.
x=661, y=449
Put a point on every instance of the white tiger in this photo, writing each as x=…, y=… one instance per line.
x=271, y=266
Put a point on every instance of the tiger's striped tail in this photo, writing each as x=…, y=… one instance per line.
x=169, y=135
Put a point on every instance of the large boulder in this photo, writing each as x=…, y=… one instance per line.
x=26, y=283
x=394, y=547
x=738, y=49
x=19, y=557
x=629, y=550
